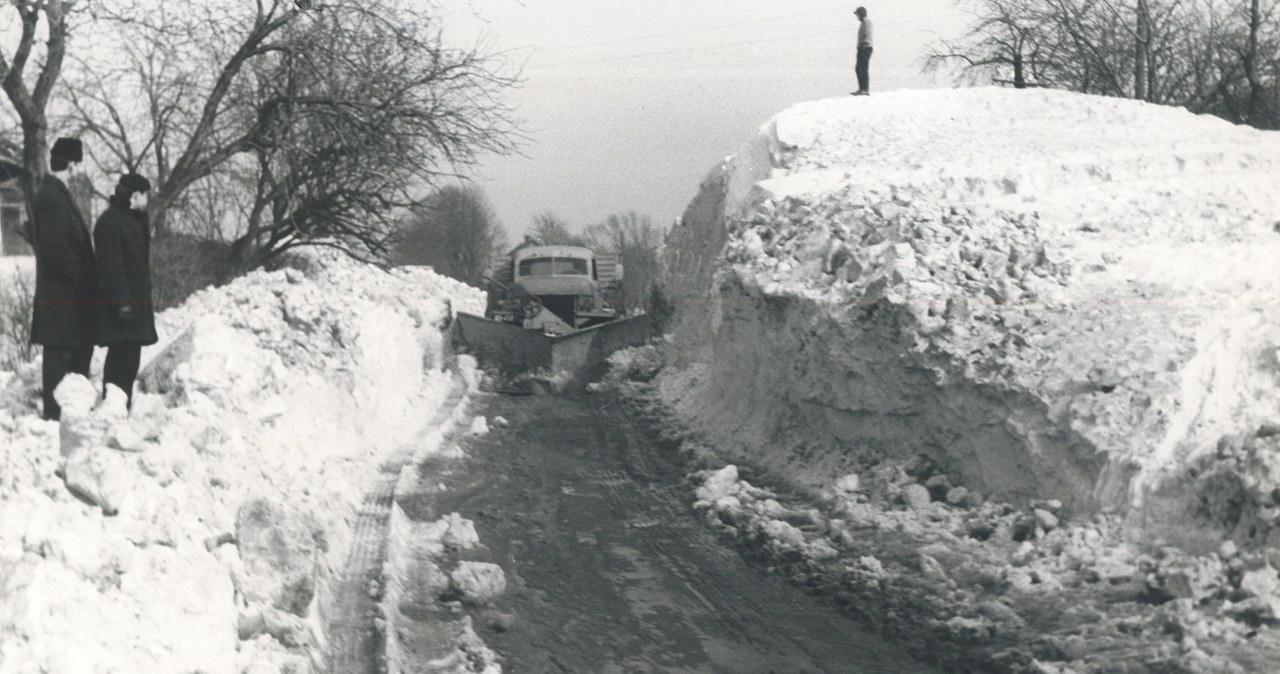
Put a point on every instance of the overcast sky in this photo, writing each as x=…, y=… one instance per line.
x=627, y=105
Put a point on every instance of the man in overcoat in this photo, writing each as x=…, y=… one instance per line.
x=126, y=322
x=64, y=315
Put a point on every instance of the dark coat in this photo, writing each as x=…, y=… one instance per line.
x=123, y=241
x=63, y=312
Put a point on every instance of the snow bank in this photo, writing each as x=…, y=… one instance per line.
x=1019, y=350
x=203, y=531
x=1051, y=295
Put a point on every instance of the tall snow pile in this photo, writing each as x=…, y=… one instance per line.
x=1049, y=295
x=202, y=530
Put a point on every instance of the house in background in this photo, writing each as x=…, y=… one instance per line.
x=12, y=215
x=13, y=211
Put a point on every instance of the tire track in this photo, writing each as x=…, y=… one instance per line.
x=668, y=511
x=610, y=570
x=355, y=643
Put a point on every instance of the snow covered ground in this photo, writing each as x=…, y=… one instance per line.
x=1038, y=327
x=205, y=530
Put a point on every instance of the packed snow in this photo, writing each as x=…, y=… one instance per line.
x=1031, y=331
x=1094, y=273
x=203, y=530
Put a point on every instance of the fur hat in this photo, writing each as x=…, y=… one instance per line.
x=134, y=182
x=861, y=11
x=67, y=149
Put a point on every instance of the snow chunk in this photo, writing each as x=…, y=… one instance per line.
x=719, y=484
x=452, y=531
x=847, y=484
x=478, y=582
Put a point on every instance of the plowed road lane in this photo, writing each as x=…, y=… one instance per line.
x=608, y=568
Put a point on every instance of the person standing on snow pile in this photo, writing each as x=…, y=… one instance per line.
x=63, y=318
x=864, y=53
x=127, y=323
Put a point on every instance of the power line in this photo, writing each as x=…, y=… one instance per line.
x=708, y=47
x=696, y=30
x=688, y=50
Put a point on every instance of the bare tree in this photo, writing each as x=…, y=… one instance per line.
x=551, y=229
x=1005, y=42
x=371, y=110
x=30, y=99
x=319, y=128
x=168, y=109
x=636, y=240
x=454, y=231
x=1216, y=56
x=1248, y=87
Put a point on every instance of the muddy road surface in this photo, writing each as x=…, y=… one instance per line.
x=608, y=568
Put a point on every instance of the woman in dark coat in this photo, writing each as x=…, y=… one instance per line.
x=63, y=320
x=126, y=323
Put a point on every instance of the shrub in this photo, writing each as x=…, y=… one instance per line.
x=16, y=296
x=182, y=264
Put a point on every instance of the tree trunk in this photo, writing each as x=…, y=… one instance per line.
x=1254, y=108
x=246, y=250
x=1019, y=77
x=1141, y=46
x=34, y=162
x=30, y=104
x=158, y=213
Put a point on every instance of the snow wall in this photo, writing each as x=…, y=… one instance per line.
x=206, y=530
x=1051, y=295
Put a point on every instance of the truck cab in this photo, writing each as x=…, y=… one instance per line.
x=555, y=289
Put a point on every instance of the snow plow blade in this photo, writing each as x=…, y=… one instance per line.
x=581, y=354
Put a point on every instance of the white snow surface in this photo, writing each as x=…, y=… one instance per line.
x=16, y=264
x=1054, y=295
x=234, y=482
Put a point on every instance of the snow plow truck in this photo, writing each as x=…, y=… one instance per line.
x=552, y=307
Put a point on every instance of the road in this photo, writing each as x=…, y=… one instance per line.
x=609, y=570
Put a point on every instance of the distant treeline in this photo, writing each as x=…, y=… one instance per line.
x=455, y=231
x=1220, y=57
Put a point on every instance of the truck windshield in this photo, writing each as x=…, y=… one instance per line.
x=553, y=266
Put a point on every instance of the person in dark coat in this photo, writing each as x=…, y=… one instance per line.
x=64, y=318
x=126, y=322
